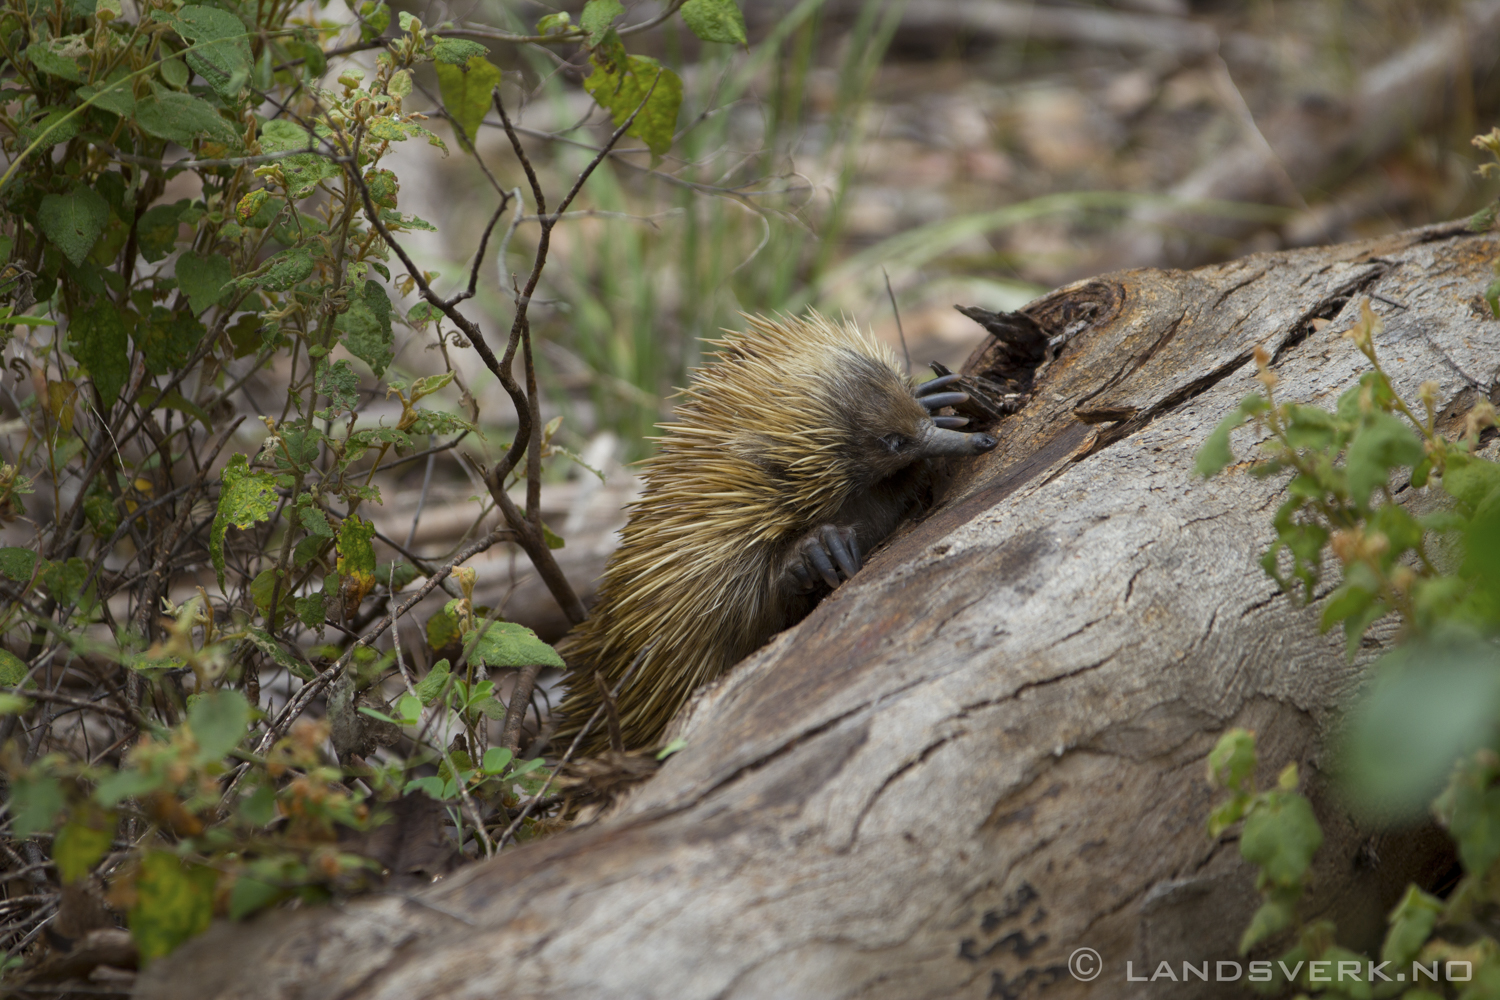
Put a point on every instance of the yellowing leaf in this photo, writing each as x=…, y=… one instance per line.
x=245, y=498
x=466, y=93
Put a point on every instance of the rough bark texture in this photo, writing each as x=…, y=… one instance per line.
x=988, y=749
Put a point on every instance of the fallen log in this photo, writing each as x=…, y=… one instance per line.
x=987, y=750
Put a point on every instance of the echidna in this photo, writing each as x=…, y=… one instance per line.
x=795, y=451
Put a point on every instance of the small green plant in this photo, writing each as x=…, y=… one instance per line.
x=1424, y=731
x=193, y=215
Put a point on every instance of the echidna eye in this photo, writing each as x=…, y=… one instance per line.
x=895, y=442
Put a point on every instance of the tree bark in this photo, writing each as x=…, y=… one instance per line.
x=987, y=750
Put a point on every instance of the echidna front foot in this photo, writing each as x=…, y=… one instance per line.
x=822, y=555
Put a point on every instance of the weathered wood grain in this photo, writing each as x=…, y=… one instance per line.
x=988, y=749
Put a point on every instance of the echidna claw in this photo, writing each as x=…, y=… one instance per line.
x=823, y=555
x=941, y=382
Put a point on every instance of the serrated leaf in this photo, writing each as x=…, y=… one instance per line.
x=622, y=84
x=114, y=96
x=715, y=21
x=183, y=118
x=366, y=327
x=218, y=720
x=173, y=903
x=245, y=498
x=99, y=341
x=74, y=221
x=507, y=644
x=466, y=94
x=220, y=52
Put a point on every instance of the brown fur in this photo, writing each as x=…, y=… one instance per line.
x=797, y=424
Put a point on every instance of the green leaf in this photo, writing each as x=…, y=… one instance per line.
x=63, y=579
x=356, y=562
x=428, y=385
x=1273, y=916
x=506, y=644
x=374, y=19
x=259, y=807
x=622, y=83
x=442, y=630
x=1281, y=834
x=221, y=53
x=496, y=760
x=715, y=21
x=183, y=118
x=114, y=95
x=286, y=270
x=302, y=172
x=314, y=520
x=311, y=610
x=173, y=903
x=81, y=842
x=35, y=802
x=245, y=498
x=156, y=232
x=13, y=669
x=410, y=709
x=263, y=587
x=59, y=57
x=457, y=51
x=597, y=17
x=115, y=788
x=250, y=895
x=1383, y=443
x=1231, y=763
x=429, y=687
x=1214, y=457
x=167, y=338
x=218, y=720
x=340, y=383
x=366, y=327
x=1432, y=702
x=17, y=563
x=466, y=94
x=292, y=664
x=202, y=279
x=671, y=748
x=13, y=704
x=52, y=128
x=74, y=221
x=99, y=341
x=1411, y=925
